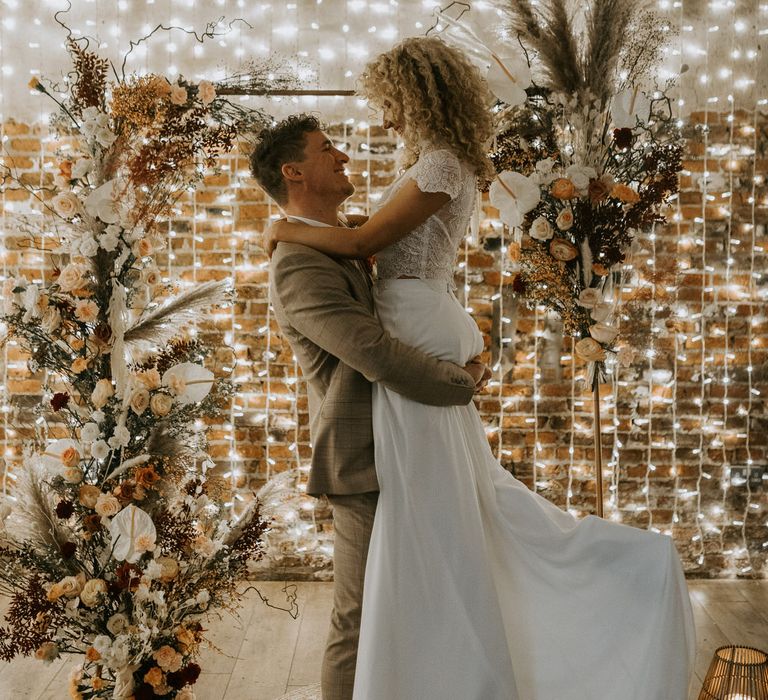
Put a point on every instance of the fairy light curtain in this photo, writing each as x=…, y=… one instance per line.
x=684, y=424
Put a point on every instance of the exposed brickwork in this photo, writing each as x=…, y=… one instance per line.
x=218, y=227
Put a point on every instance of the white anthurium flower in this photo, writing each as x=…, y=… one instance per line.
x=603, y=333
x=130, y=524
x=601, y=311
x=101, y=203
x=52, y=457
x=514, y=195
x=508, y=77
x=628, y=106
x=190, y=382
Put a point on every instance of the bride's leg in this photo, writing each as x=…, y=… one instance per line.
x=352, y=521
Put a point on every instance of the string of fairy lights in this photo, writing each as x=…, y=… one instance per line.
x=273, y=401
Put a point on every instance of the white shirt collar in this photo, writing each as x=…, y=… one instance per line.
x=313, y=222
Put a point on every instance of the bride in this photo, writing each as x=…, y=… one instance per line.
x=477, y=588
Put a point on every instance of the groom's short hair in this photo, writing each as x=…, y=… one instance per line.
x=279, y=144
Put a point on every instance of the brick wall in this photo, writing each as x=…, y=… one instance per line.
x=693, y=428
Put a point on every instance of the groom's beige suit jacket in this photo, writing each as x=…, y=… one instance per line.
x=325, y=309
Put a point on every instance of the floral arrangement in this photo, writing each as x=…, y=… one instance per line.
x=588, y=154
x=116, y=541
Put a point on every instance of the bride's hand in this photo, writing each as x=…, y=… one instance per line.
x=479, y=371
x=273, y=235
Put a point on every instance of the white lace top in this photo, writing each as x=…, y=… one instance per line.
x=429, y=251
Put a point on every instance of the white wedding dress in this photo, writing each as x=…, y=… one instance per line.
x=476, y=588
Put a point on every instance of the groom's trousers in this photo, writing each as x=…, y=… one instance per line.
x=352, y=521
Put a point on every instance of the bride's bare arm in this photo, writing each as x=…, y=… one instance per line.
x=409, y=208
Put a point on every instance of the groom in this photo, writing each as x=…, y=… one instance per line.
x=325, y=309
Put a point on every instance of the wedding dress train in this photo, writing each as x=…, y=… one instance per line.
x=477, y=588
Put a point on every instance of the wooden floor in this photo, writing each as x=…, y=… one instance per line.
x=266, y=652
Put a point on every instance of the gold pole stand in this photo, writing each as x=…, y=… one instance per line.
x=598, y=445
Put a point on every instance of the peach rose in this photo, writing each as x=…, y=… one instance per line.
x=88, y=495
x=154, y=676
x=562, y=250
x=73, y=475
x=590, y=350
x=206, y=92
x=70, y=457
x=72, y=585
x=79, y=365
x=563, y=188
x=149, y=378
x=139, y=401
x=72, y=277
x=143, y=248
x=625, y=193
x=564, y=219
x=86, y=311
x=93, y=591
x=66, y=204
x=178, y=94
x=161, y=405
x=47, y=652
x=168, y=658
x=107, y=505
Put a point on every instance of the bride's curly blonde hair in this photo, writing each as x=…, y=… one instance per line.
x=438, y=95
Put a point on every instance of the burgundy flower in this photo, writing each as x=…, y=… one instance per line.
x=68, y=550
x=623, y=138
x=59, y=401
x=518, y=284
x=64, y=509
x=144, y=692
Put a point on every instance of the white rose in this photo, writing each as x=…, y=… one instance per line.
x=601, y=311
x=51, y=319
x=161, y=404
x=89, y=432
x=603, y=333
x=81, y=168
x=88, y=247
x=151, y=276
x=71, y=277
x=590, y=297
x=544, y=174
x=102, y=392
x=107, y=505
x=541, y=229
x=117, y=624
x=93, y=591
x=202, y=599
x=120, y=438
x=580, y=175
x=105, y=137
x=99, y=449
x=98, y=416
x=109, y=241
x=102, y=643
x=66, y=204
x=564, y=219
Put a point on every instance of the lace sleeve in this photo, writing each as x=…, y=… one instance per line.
x=438, y=171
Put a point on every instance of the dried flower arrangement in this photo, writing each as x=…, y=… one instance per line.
x=588, y=153
x=116, y=541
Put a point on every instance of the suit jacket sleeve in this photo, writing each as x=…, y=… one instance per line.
x=317, y=302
